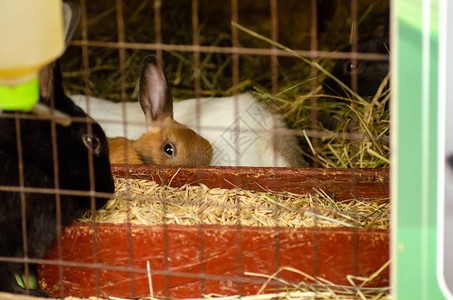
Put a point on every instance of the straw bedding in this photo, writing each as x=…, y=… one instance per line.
x=145, y=202
x=148, y=203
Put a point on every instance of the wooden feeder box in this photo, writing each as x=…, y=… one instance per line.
x=190, y=261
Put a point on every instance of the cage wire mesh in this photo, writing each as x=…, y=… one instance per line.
x=270, y=84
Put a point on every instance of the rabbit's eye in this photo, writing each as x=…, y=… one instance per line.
x=169, y=150
x=92, y=143
x=350, y=67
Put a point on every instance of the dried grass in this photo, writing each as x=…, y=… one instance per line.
x=313, y=288
x=148, y=203
x=367, y=120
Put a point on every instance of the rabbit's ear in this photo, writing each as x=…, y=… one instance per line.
x=47, y=82
x=71, y=18
x=48, y=74
x=51, y=89
x=154, y=92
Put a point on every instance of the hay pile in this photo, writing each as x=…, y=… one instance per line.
x=145, y=202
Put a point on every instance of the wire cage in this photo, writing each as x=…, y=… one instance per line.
x=290, y=198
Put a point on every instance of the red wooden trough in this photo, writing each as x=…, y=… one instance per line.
x=189, y=261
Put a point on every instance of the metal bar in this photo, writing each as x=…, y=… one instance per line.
x=232, y=50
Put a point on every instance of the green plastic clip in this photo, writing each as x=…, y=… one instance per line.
x=20, y=97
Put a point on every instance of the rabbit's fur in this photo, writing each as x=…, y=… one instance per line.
x=252, y=136
x=28, y=160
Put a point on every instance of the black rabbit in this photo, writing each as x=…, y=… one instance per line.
x=80, y=163
x=370, y=74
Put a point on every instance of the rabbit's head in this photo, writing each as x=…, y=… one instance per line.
x=166, y=141
x=370, y=74
x=81, y=147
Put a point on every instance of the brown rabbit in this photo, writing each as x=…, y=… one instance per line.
x=166, y=141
